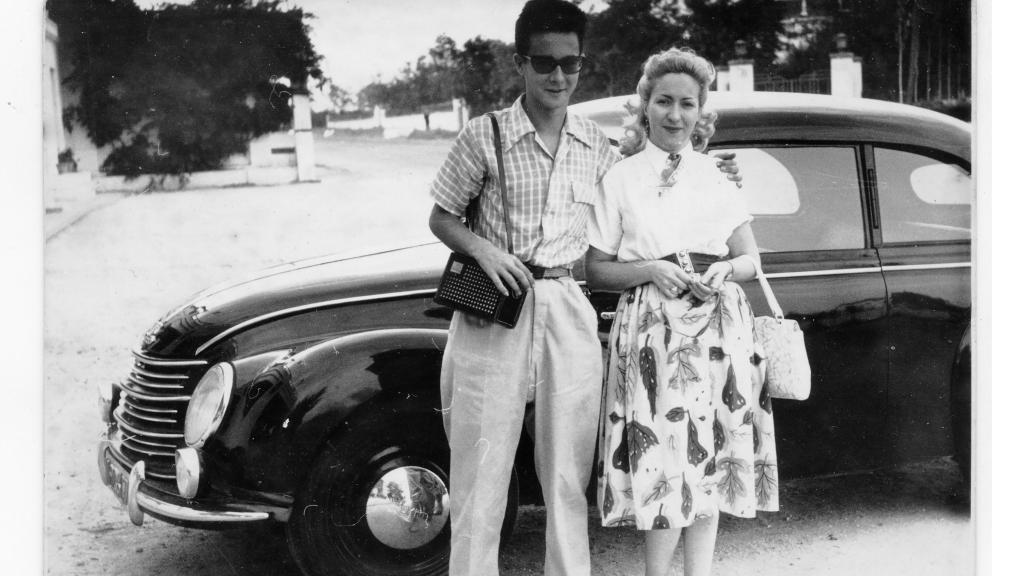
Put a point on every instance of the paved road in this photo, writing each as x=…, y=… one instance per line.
x=111, y=274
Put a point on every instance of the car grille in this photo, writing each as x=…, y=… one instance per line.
x=150, y=415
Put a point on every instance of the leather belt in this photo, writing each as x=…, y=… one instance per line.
x=699, y=260
x=541, y=273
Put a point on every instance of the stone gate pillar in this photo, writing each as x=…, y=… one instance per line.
x=741, y=70
x=302, y=125
x=722, y=78
x=846, y=70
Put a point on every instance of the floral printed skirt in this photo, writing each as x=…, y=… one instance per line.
x=686, y=424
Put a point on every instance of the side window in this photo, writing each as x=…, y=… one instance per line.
x=802, y=198
x=922, y=199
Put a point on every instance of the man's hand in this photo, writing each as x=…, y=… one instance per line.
x=505, y=270
x=727, y=164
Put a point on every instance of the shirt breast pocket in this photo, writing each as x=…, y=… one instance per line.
x=583, y=192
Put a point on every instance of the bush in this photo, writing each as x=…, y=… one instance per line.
x=183, y=87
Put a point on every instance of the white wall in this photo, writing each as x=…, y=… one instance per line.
x=53, y=126
x=401, y=126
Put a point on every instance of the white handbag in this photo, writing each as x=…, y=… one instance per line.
x=787, y=371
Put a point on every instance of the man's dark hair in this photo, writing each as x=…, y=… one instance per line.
x=540, y=16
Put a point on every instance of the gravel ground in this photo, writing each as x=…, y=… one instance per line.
x=112, y=273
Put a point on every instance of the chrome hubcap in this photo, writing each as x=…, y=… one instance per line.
x=407, y=507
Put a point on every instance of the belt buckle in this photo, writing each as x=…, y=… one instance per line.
x=683, y=257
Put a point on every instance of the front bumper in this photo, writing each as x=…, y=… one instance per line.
x=130, y=487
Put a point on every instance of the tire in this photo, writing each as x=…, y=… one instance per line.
x=337, y=526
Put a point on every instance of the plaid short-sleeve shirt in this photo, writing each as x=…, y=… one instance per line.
x=549, y=198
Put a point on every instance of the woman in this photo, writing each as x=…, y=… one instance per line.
x=686, y=431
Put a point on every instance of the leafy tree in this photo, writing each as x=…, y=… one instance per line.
x=98, y=38
x=714, y=26
x=441, y=71
x=621, y=37
x=481, y=72
x=372, y=94
x=938, y=68
x=339, y=97
x=181, y=88
x=433, y=80
x=933, y=39
x=488, y=78
x=395, y=492
x=619, y=40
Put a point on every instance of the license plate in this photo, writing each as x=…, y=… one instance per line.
x=118, y=478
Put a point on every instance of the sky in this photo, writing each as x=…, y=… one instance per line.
x=360, y=39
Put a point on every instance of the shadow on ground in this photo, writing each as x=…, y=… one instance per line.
x=830, y=510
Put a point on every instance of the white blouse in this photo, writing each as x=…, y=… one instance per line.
x=635, y=219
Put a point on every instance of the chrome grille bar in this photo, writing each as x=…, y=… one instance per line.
x=151, y=414
x=149, y=374
x=154, y=410
x=143, y=395
x=165, y=362
x=132, y=445
x=125, y=425
x=168, y=449
x=154, y=385
x=133, y=411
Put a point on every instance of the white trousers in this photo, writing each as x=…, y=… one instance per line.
x=488, y=375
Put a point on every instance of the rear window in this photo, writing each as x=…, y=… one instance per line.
x=802, y=198
x=922, y=199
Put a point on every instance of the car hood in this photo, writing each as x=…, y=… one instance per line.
x=296, y=285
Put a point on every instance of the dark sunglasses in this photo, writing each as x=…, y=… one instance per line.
x=547, y=64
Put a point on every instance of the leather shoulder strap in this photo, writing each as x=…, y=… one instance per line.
x=501, y=180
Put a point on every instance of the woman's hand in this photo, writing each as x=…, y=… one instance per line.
x=716, y=275
x=672, y=280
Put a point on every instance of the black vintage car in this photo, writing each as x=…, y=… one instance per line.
x=308, y=394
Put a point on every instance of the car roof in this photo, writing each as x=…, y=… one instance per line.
x=813, y=118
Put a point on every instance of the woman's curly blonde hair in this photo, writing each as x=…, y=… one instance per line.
x=671, y=61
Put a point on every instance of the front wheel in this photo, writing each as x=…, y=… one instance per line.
x=376, y=501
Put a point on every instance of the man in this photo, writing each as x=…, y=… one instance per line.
x=553, y=163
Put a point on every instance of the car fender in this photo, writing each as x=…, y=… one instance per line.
x=280, y=418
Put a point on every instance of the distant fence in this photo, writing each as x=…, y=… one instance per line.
x=817, y=82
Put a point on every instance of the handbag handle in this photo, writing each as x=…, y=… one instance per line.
x=769, y=295
x=501, y=181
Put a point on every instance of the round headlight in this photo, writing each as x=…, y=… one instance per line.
x=209, y=403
